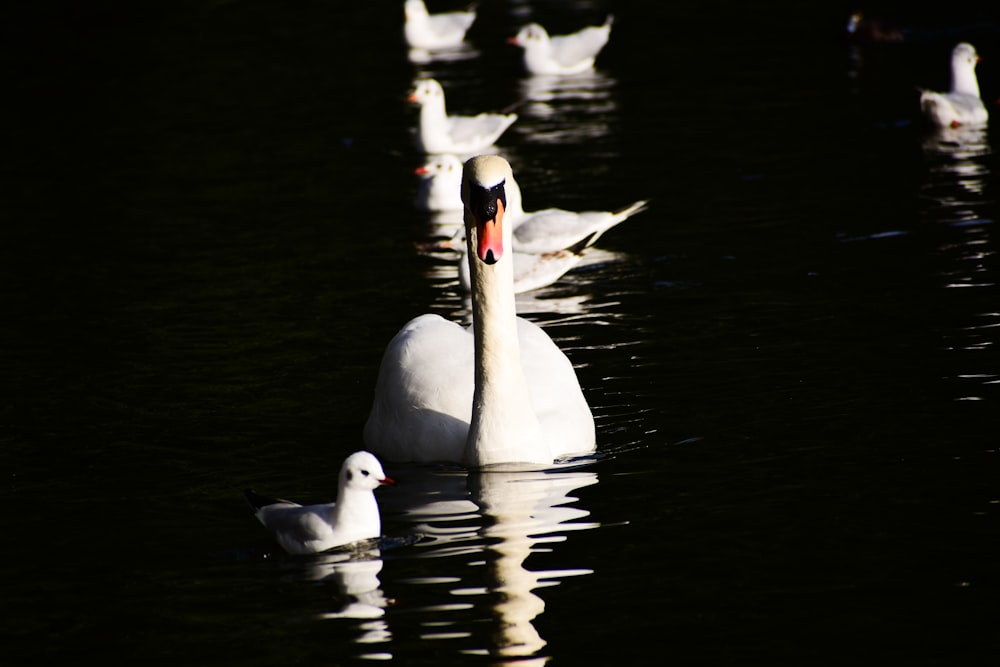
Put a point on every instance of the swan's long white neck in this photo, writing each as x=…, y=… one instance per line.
x=504, y=426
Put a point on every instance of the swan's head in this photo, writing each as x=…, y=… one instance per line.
x=361, y=470
x=484, y=194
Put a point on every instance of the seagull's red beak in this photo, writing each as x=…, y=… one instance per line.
x=387, y=480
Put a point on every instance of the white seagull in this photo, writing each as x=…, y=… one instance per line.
x=546, y=244
x=497, y=392
x=962, y=105
x=561, y=54
x=437, y=132
x=440, y=184
x=310, y=529
x=424, y=30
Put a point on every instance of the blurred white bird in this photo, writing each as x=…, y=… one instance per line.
x=313, y=528
x=561, y=54
x=531, y=271
x=440, y=184
x=437, y=132
x=549, y=230
x=962, y=105
x=424, y=30
x=545, y=244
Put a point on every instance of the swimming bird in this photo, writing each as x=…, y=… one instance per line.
x=443, y=30
x=308, y=529
x=497, y=392
x=961, y=105
x=561, y=54
x=437, y=132
x=545, y=244
x=440, y=184
x=549, y=230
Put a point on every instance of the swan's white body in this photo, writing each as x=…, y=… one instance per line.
x=440, y=184
x=962, y=105
x=561, y=54
x=424, y=30
x=437, y=132
x=497, y=392
x=308, y=529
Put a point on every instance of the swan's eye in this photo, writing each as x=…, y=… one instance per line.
x=484, y=201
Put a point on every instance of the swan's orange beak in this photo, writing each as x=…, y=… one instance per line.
x=490, y=235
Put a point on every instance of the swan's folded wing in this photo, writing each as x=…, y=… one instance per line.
x=556, y=396
x=423, y=395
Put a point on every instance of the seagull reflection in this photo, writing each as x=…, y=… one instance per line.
x=954, y=191
x=353, y=572
x=496, y=520
x=549, y=100
x=463, y=51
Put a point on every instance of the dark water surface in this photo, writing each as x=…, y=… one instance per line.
x=208, y=239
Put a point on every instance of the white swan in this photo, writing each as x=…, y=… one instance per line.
x=313, y=528
x=497, y=392
x=561, y=54
x=961, y=105
x=424, y=30
x=437, y=132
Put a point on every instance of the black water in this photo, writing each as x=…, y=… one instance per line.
x=208, y=239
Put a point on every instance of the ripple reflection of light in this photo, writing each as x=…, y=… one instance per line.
x=955, y=190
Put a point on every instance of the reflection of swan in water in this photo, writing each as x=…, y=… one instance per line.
x=522, y=508
x=504, y=516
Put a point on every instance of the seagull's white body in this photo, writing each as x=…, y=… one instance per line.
x=546, y=243
x=561, y=54
x=444, y=30
x=962, y=104
x=531, y=270
x=440, y=184
x=554, y=229
x=497, y=392
x=437, y=132
x=308, y=529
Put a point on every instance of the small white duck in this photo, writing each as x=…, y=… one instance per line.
x=561, y=54
x=440, y=184
x=437, y=132
x=444, y=30
x=961, y=105
x=309, y=529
